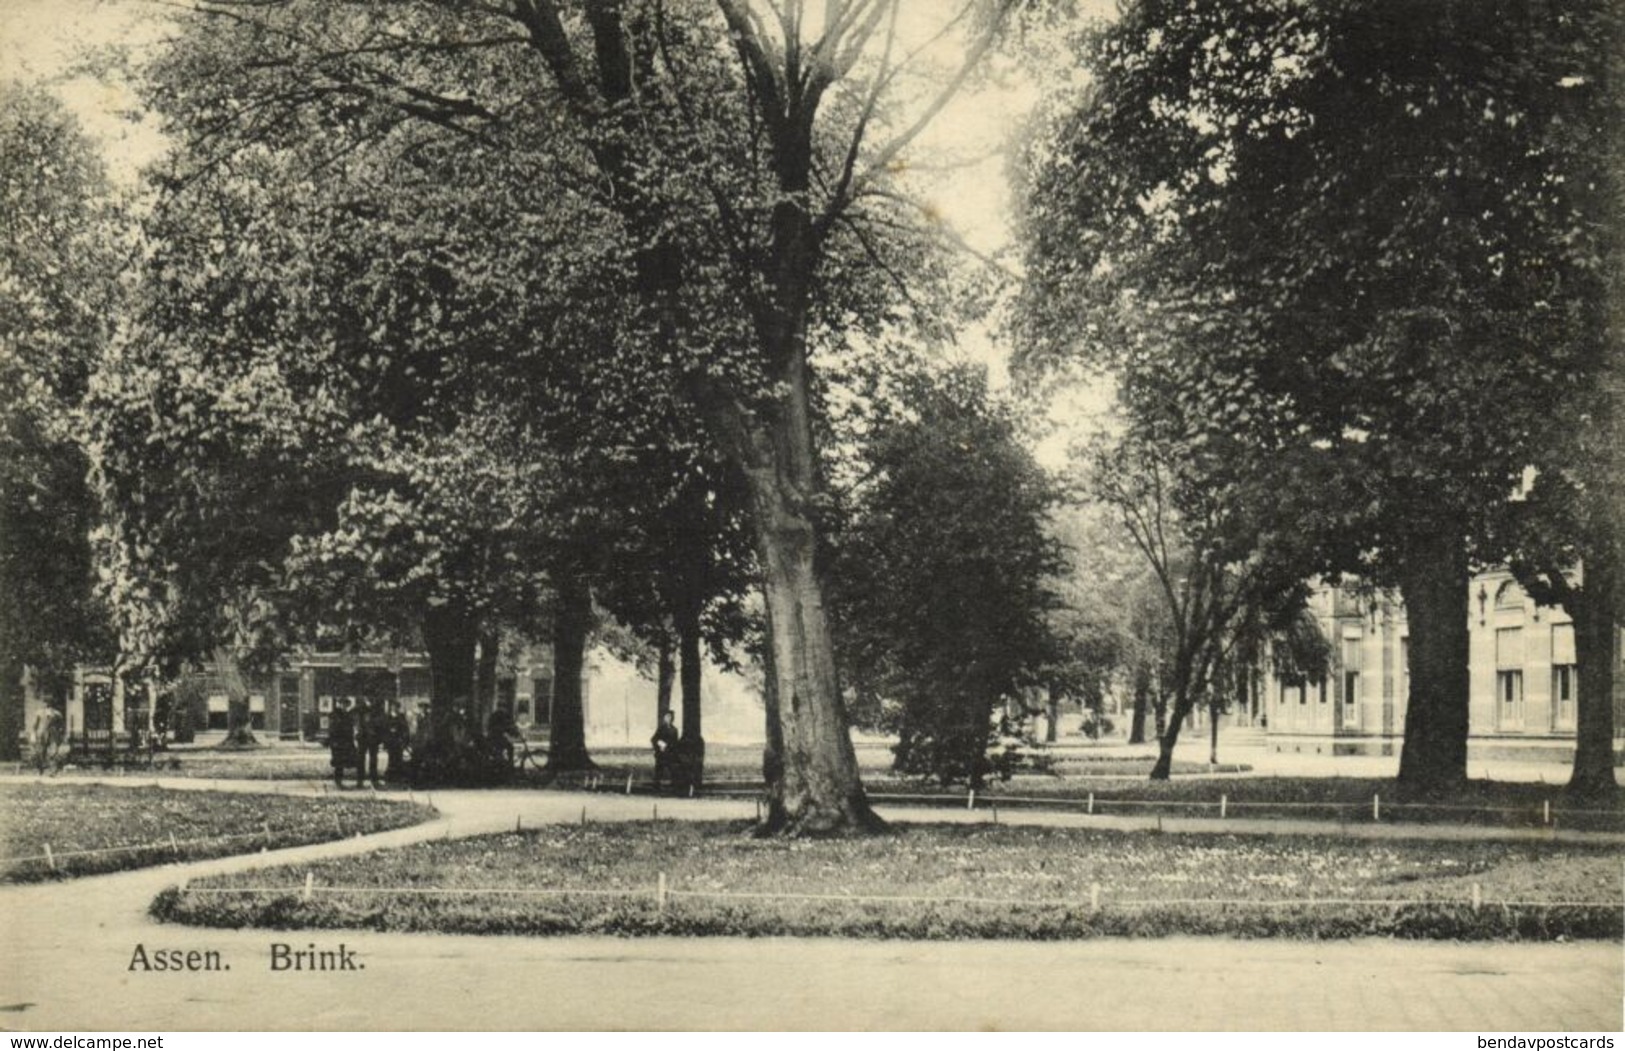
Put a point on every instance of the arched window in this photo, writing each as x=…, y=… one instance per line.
x=1509, y=596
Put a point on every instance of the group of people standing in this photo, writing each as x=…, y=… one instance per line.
x=358, y=729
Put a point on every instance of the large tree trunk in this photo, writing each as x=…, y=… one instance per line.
x=1142, y=705
x=819, y=792
x=567, y=750
x=1052, y=732
x=239, y=721
x=442, y=747
x=1189, y=678
x=1594, y=632
x=12, y=705
x=1184, y=699
x=1433, y=583
x=691, y=748
x=665, y=676
x=449, y=637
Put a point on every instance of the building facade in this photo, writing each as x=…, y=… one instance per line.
x=1523, y=676
x=296, y=701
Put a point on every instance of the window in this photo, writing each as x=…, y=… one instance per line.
x=1509, y=677
x=219, y=707
x=1351, y=669
x=1565, y=677
x=1508, y=648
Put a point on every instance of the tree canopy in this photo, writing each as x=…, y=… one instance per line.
x=1354, y=242
x=62, y=251
x=943, y=571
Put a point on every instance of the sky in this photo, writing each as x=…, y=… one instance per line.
x=46, y=39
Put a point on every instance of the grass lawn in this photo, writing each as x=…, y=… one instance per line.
x=724, y=763
x=942, y=881
x=139, y=823
x=1499, y=804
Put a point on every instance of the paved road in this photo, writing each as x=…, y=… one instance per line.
x=68, y=948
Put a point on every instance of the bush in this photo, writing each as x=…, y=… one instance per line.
x=1096, y=725
x=939, y=577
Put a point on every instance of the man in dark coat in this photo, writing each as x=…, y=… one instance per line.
x=396, y=736
x=502, y=732
x=664, y=743
x=341, y=739
x=369, y=737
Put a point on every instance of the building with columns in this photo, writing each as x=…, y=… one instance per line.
x=1522, y=669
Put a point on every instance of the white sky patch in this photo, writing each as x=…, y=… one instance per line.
x=44, y=40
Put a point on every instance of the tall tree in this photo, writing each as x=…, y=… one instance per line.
x=299, y=422
x=1565, y=534
x=1217, y=568
x=1355, y=235
x=944, y=570
x=751, y=140
x=62, y=249
x=682, y=572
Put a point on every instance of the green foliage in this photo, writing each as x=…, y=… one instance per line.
x=1350, y=262
x=358, y=388
x=1346, y=249
x=748, y=176
x=60, y=258
x=941, y=573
